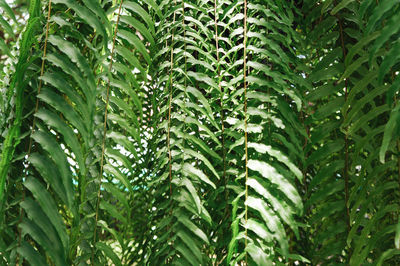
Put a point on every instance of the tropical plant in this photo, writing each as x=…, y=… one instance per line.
x=189, y=132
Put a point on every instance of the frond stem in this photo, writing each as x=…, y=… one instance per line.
x=34, y=117
x=105, y=130
x=346, y=143
x=245, y=119
x=170, y=107
x=221, y=99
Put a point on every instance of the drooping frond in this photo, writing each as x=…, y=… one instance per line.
x=190, y=132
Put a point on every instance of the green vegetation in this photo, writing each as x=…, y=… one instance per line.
x=195, y=132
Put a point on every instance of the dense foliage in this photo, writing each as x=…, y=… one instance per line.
x=191, y=132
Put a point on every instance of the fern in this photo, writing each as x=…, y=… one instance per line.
x=199, y=132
